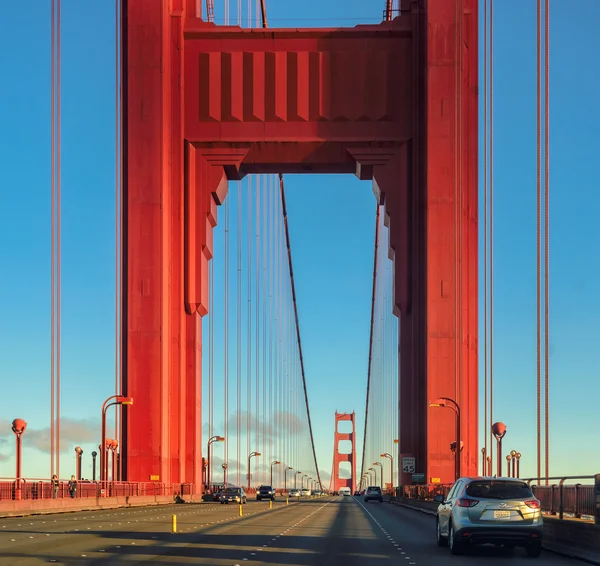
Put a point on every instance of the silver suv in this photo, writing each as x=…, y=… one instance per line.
x=500, y=511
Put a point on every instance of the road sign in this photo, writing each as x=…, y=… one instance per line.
x=408, y=465
x=418, y=478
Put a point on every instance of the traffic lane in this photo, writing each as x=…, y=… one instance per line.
x=414, y=531
x=332, y=532
x=56, y=538
x=264, y=538
x=353, y=538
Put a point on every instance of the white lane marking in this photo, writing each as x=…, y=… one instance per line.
x=385, y=533
x=290, y=528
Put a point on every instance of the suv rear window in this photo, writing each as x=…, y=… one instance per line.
x=374, y=488
x=490, y=489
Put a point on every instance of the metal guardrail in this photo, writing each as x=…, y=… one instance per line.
x=566, y=496
x=36, y=489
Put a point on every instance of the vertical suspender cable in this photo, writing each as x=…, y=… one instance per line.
x=211, y=363
x=249, y=326
x=485, y=235
x=58, y=236
x=265, y=296
x=272, y=316
x=118, y=225
x=491, y=218
x=257, y=314
x=238, y=418
x=227, y=206
x=53, y=241
x=55, y=333
x=546, y=229
x=293, y=288
x=539, y=196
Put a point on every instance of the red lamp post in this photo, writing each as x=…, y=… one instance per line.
x=285, y=478
x=114, y=444
x=78, y=452
x=116, y=400
x=18, y=427
x=250, y=456
x=211, y=440
x=94, y=455
x=273, y=463
x=499, y=431
x=391, y=459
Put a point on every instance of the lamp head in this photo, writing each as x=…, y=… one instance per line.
x=499, y=430
x=19, y=426
x=78, y=450
x=122, y=400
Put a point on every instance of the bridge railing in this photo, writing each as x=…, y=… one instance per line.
x=568, y=496
x=38, y=488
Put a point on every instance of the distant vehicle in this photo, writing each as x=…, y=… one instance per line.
x=294, y=493
x=345, y=491
x=373, y=493
x=265, y=492
x=233, y=495
x=500, y=511
x=305, y=492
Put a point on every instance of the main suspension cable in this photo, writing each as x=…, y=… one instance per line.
x=293, y=289
x=371, y=326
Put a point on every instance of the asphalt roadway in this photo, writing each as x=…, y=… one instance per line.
x=332, y=531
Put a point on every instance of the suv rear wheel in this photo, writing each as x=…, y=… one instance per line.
x=533, y=550
x=441, y=540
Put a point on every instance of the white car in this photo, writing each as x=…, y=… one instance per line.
x=306, y=492
x=345, y=491
x=294, y=493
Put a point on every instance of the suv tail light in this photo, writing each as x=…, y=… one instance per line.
x=465, y=502
x=533, y=504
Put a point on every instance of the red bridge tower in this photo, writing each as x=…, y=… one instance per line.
x=339, y=457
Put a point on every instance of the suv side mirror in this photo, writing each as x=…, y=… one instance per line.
x=439, y=499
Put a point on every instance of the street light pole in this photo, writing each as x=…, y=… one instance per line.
x=118, y=400
x=296, y=479
x=513, y=457
x=452, y=404
x=250, y=456
x=285, y=478
x=499, y=432
x=380, y=473
x=78, y=452
x=18, y=427
x=273, y=463
x=94, y=454
x=391, y=459
x=212, y=439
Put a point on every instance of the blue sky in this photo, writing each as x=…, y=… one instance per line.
x=332, y=263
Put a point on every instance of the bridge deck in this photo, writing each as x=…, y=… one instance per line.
x=331, y=531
